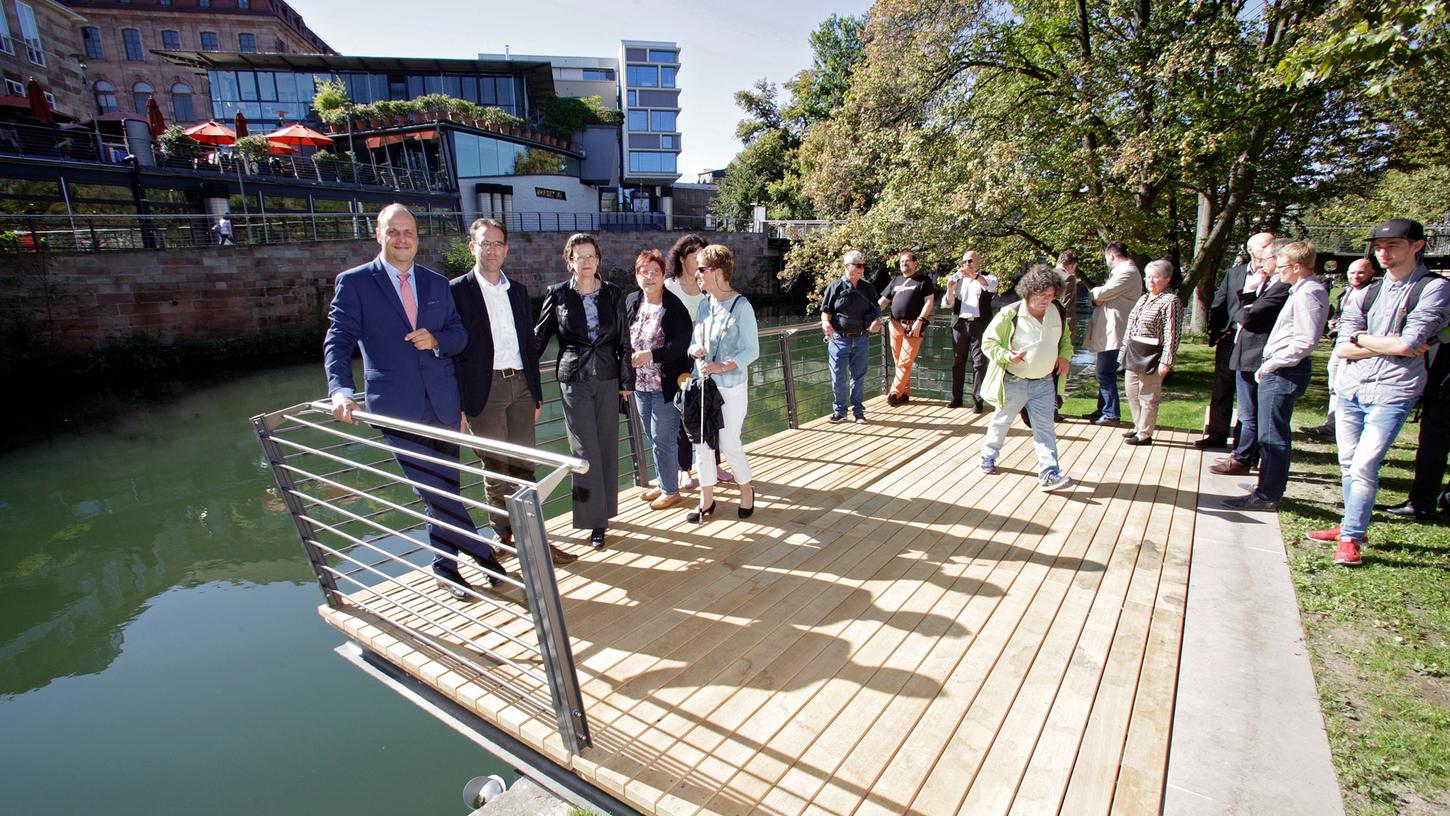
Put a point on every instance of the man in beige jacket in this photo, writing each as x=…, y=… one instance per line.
x=1111, y=304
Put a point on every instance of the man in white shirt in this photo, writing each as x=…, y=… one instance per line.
x=498, y=371
x=969, y=299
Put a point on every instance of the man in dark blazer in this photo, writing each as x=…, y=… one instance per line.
x=498, y=371
x=1261, y=298
x=403, y=316
x=1223, y=324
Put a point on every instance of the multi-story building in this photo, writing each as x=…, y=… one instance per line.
x=40, y=39
x=119, y=38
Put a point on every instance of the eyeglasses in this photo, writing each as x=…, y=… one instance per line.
x=491, y=244
x=584, y=258
x=708, y=268
x=857, y=265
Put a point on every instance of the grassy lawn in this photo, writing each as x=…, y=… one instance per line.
x=1379, y=635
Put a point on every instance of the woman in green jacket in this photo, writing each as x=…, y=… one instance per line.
x=1026, y=343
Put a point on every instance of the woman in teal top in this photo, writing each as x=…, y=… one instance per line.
x=725, y=343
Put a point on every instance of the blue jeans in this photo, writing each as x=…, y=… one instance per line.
x=848, y=359
x=1247, y=451
x=1277, y=392
x=1107, y=371
x=661, y=421
x=1364, y=432
x=1038, y=397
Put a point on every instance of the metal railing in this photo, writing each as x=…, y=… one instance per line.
x=100, y=233
x=76, y=143
x=361, y=534
x=530, y=221
x=361, y=524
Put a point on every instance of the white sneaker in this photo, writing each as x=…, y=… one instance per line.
x=1052, y=480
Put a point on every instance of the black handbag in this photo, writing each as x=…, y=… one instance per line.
x=1140, y=357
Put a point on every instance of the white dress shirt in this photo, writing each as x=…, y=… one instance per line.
x=968, y=292
x=500, y=321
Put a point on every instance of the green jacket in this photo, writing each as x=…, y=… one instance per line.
x=997, y=345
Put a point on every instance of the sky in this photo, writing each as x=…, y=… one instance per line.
x=724, y=46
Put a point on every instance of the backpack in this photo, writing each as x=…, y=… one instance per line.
x=1397, y=324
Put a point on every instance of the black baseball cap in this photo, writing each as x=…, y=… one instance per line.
x=1399, y=228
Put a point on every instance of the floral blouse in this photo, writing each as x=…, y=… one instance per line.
x=648, y=332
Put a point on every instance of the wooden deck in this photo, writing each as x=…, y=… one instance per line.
x=893, y=631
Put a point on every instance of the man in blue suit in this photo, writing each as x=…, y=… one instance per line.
x=403, y=316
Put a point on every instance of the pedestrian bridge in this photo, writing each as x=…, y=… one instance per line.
x=892, y=632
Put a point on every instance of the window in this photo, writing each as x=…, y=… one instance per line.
x=667, y=77
x=14, y=88
x=164, y=2
x=633, y=97
x=141, y=93
x=663, y=56
x=181, y=108
x=208, y=38
x=7, y=45
x=644, y=76
x=203, y=3
x=639, y=120
x=646, y=162
x=132, y=40
x=171, y=40
x=667, y=142
x=244, y=4
x=247, y=43
x=599, y=73
x=49, y=99
x=30, y=33
x=92, y=38
x=662, y=121
x=105, y=97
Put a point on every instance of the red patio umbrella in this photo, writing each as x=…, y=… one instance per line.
x=241, y=122
x=154, y=118
x=212, y=133
x=39, y=106
x=299, y=135
x=280, y=148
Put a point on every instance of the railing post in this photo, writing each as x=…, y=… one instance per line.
x=636, y=445
x=285, y=486
x=885, y=355
x=526, y=517
x=791, y=416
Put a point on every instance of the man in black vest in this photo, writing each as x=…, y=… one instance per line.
x=968, y=298
x=1223, y=324
x=498, y=372
x=1261, y=298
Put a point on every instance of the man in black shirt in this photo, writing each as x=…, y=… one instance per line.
x=912, y=298
x=849, y=314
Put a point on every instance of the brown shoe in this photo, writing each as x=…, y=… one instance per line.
x=665, y=501
x=1229, y=466
x=559, y=557
x=650, y=495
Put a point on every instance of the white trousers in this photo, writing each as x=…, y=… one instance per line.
x=736, y=399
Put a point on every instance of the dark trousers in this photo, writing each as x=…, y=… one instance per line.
x=440, y=508
x=1221, y=399
x=1434, y=435
x=1277, y=392
x=508, y=416
x=591, y=419
x=1247, y=449
x=967, y=344
x=1107, y=372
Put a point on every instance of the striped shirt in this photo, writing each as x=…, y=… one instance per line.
x=1159, y=317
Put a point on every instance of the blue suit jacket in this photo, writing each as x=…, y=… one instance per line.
x=401, y=380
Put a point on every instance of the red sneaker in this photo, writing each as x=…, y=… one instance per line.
x=1348, y=553
x=1331, y=534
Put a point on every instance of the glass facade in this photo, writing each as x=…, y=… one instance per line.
x=644, y=161
x=484, y=156
x=496, y=90
x=264, y=97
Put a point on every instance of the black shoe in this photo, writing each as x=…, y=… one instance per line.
x=699, y=514
x=456, y=586
x=979, y=407
x=954, y=404
x=1129, y=434
x=1325, y=431
x=596, y=538
x=903, y=399
x=1407, y=510
x=835, y=417
x=892, y=399
x=1211, y=442
x=1253, y=501
x=1058, y=417
x=743, y=511
x=1093, y=417
x=1136, y=440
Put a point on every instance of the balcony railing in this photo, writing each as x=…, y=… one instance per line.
x=605, y=221
x=72, y=143
x=102, y=233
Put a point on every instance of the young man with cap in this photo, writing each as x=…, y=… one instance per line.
x=1383, y=336
x=849, y=315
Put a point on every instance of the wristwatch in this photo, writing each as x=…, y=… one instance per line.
x=1354, y=338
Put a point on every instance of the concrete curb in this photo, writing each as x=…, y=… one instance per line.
x=1248, y=732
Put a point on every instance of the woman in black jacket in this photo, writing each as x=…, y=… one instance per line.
x=594, y=372
x=659, y=333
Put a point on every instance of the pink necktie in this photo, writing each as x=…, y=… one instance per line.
x=410, y=303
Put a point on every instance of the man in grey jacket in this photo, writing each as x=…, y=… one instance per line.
x=1111, y=304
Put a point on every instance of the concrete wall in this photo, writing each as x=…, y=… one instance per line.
x=86, y=302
